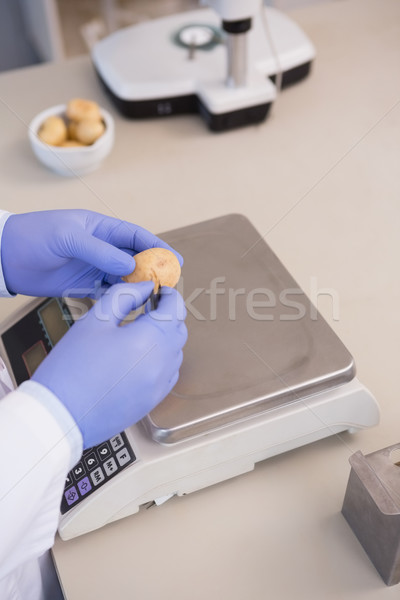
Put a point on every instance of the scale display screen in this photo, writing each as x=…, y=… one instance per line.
x=52, y=317
x=28, y=341
x=34, y=356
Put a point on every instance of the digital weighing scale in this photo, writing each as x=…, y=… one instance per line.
x=188, y=63
x=263, y=373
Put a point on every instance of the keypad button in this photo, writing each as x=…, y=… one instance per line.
x=123, y=457
x=91, y=461
x=97, y=476
x=97, y=465
x=78, y=471
x=71, y=495
x=84, y=486
x=110, y=466
x=116, y=442
x=104, y=451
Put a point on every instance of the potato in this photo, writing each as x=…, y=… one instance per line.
x=88, y=132
x=72, y=144
x=72, y=130
x=79, y=110
x=158, y=265
x=53, y=131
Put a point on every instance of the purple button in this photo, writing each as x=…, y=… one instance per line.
x=84, y=486
x=71, y=495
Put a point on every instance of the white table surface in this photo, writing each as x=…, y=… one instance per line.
x=320, y=179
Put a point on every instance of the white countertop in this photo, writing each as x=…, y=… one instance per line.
x=320, y=180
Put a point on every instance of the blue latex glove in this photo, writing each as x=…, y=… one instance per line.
x=69, y=252
x=110, y=376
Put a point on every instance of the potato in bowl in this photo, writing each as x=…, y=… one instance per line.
x=71, y=147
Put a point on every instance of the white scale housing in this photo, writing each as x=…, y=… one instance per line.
x=263, y=373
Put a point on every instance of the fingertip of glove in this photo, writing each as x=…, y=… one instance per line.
x=141, y=287
x=180, y=258
x=128, y=264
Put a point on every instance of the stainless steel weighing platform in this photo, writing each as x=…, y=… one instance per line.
x=255, y=341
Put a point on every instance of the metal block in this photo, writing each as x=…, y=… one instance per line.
x=372, y=508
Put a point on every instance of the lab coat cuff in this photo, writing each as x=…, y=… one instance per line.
x=70, y=430
x=4, y=293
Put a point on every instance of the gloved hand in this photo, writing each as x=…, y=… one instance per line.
x=110, y=376
x=69, y=252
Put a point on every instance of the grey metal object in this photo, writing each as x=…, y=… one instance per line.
x=372, y=508
x=255, y=340
x=236, y=45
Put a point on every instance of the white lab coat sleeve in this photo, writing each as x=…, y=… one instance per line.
x=39, y=444
x=3, y=288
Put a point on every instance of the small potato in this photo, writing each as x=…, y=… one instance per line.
x=72, y=144
x=72, y=130
x=79, y=110
x=53, y=131
x=88, y=132
x=156, y=264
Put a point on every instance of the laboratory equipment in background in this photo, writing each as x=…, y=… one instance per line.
x=263, y=373
x=220, y=62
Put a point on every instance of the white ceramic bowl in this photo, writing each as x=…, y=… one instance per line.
x=75, y=161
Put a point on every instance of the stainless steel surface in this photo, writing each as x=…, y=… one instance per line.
x=237, y=59
x=242, y=359
x=372, y=508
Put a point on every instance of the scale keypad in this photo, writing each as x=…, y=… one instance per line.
x=96, y=467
